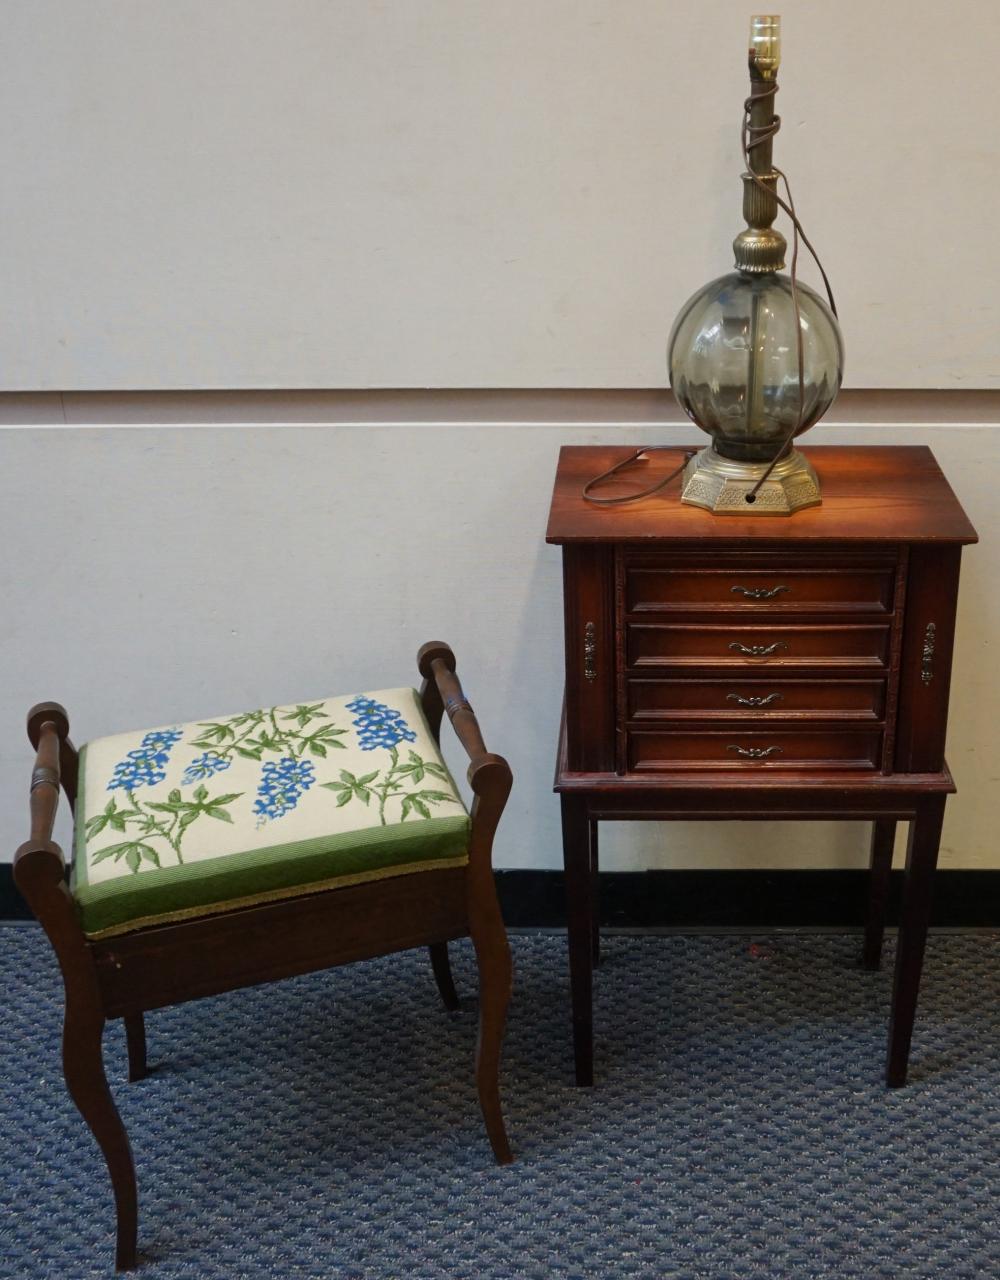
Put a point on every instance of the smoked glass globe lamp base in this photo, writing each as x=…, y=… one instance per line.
x=733, y=360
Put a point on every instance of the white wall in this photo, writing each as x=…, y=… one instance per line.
x=463, y=193
x=155, y=573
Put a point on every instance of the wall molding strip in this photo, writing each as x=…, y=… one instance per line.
x=651, y=406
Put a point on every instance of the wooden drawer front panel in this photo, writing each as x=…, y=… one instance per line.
x=651, y=645
x=737, y=699
x=766, y=749
x=650, y=589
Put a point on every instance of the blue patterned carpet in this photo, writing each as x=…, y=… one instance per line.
x=327, y=1127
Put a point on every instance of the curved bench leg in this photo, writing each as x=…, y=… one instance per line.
x=495, y=978
x=135, y=1040
x=83, y=1067
x=442, y=974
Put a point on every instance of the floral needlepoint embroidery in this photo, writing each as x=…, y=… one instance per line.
x=381, y=726
x=282, y=783
x=165, y=790
x=204, y=766
x=146, y=765
x=378, y=725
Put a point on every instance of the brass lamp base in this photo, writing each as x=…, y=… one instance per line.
x=723, y=485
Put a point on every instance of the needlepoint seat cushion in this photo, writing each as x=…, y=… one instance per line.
x=197, y=818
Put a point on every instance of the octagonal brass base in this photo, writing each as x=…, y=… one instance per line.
x=722, y=485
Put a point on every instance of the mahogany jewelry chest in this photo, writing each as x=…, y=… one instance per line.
x=729, y=667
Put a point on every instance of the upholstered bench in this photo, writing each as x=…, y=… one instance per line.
x=245, y=848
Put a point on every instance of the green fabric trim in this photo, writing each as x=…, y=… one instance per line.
x=280, y=895
x=216, y=881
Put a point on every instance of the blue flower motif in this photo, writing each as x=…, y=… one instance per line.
x=146, y=765
x=204, y=766
x=378, y=725
x=281, y=784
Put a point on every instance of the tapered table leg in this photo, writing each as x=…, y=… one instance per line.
x=921, y=860
x=579, y=905
x=883, y=839
x=595, y=895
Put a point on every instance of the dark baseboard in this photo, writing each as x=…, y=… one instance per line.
x=12, y=905
x=709, y=899
x=744, y=899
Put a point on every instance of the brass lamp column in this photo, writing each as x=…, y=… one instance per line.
x=742, y=365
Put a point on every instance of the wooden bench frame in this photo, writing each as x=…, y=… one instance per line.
x=164, y=964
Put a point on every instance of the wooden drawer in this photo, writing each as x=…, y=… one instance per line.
x=653, y=588
x=738, y=699
x=658, y=645
x=742, y=749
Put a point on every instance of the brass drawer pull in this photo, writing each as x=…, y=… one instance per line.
x=758, y=650
x=590, y=652
x=755, y=753
x=759, y=593
x=927, y=657
x=754, y=700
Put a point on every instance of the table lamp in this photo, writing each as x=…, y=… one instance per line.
x=756, y=357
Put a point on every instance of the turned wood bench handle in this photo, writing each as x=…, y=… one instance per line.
x=39, y=866
x=459, y=710
x=489, y=774
x=437, y=665
x=45, y=777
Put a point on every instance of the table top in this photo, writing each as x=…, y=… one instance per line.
x=871, y=493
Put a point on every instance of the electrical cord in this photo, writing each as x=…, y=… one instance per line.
x=627, y=462
x=753, y=136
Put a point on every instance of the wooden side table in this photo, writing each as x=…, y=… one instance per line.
x=728, y=667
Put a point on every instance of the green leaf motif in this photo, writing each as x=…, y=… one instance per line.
x=319, y=742
x=350, y=787
x=213, y=734
x=171, y=806
x=245, y=718
x=179, y=815
x=304, y=713
x=394, y=784
x=411, y=802
x=219, y=814
x=133, y=851
x=112, y=851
